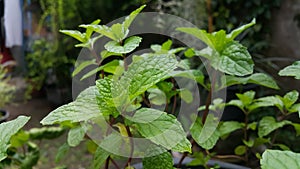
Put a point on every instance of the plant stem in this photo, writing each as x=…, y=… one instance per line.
x=131, y=146
x=107, y=162
x=185, y=154
x=210, y=16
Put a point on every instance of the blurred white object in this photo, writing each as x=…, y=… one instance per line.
x=13, y=23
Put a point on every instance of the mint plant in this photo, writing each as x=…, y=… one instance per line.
x=120, y=102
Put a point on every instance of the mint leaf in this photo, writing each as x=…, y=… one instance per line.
x=76, y=135
x=233, y=34
x=129, y=45
x=292, y=70
x=100, y=157
x=62, y=152
x=75, y=34
x=161, y=161
x=83, y=65
x=235, y=60
x=256, y=78
x=206, y=136
x=145, y=72
x=280, y=159
x=128, y=20
x=290, y=98
x=107, y=104
x=161, y=128
x=83, y=108
x=269, y=124
x=229, y=126
x=7, y=130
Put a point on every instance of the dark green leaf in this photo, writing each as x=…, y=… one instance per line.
x=229, y=126
x=240, y=150
x=161, y=161
x=269, y=124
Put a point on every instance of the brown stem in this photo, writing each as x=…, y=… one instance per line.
x=114, y=163
x=210, y=16
x=131, y=146
x=107, y=163
x=229, y=156
x=185, y=154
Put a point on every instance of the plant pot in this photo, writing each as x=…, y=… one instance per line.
x=223, y=165
x=3, y=115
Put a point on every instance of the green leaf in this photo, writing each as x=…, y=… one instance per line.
x=240, y=150
x=161, y=128
x=99, y=158
x=292, y=70
x=189, y=53
x=268, y=124
x=247, y=97
x=62, y=152
x=290, y=98
x=128, y=20
x=167, y=45
x=105, y=99
x=297, y=128
x=118, y=32
x=146, y=72
x=235, y=60
x=19, y=139
x=227, y=127
x=200, y=34
x=83, y=108
x=256, y=78
x=45, y=133
x=161, y=161
x=206, y=136
x=129, y=45
x=32, y=156
x=190, y=74
x=7, y=130
x=76, y=135
x=266, y=102
x=157, y=96
x=101, y=29
x=186, y=95
x=75, y=34
x=113, y=63
x=233, y=34
x=280, y=159
x=105, y=54
x=89, y=43
x=83, y=65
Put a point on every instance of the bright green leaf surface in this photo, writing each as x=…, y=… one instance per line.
x=146, y=72
x=206, y=136
x=83, y=108
x=76, y=135
x=256, y=78
x=161, y=128
x=7, y=130
x=269, y=124
x=129, y=45
x=292, y=70
x=235, y=60
x=272, y=159
x=229, y=126
x=233, y=34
